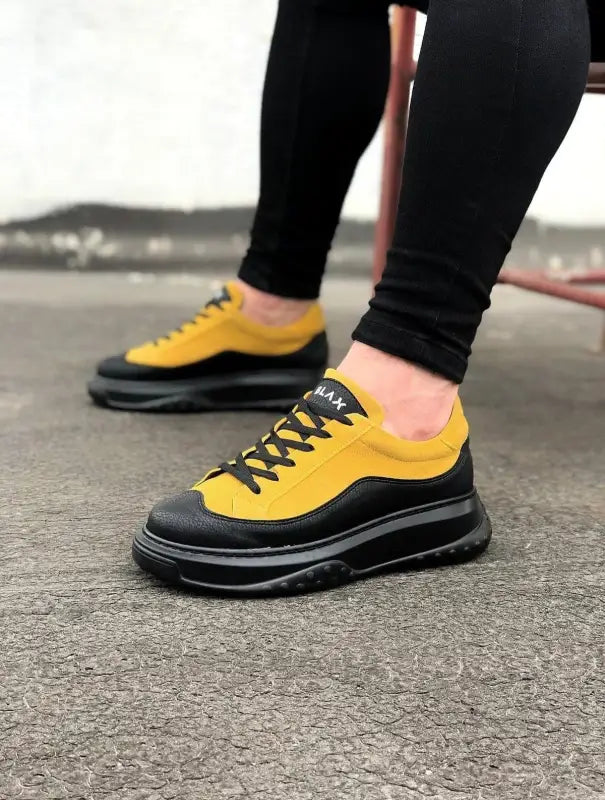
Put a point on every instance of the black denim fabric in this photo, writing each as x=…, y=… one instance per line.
x=324, y=95
x=498, y=85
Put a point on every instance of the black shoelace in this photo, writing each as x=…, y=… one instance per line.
x=246, y=472
x=215, y=301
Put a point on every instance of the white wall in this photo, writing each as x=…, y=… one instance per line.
x=573, y=189
x=156, y=103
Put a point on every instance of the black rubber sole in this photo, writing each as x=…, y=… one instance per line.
x=428, y=536
x=266, y=389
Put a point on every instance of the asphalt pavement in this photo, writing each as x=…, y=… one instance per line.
x=484, y=681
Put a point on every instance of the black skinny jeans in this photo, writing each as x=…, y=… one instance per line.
x=498, y=85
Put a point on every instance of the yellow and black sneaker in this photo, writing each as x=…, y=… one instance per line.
x=218, y=360
x=328, y=496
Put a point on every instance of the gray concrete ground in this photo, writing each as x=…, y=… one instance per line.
x=480, y=681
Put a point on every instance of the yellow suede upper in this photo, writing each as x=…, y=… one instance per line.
x=216, y=330
x=358, y=451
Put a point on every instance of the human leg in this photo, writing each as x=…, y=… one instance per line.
x=264, y=342
x=373, y=468
x=488, y=113
x=324, y=95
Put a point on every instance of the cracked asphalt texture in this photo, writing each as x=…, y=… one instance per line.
x=478, y=681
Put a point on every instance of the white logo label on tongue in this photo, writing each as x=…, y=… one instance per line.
x=330, y=396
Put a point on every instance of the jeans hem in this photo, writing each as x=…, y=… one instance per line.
x=277, y=281
x=405, y=344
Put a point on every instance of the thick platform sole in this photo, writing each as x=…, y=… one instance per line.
x=266, y=389
x=428, y=536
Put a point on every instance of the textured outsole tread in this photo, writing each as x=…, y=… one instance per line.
x=321, y=576
x=252, y=391
x=185, y=405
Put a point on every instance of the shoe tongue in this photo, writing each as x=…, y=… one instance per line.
x=223, y=294
x=229, y=292
x=337, y=392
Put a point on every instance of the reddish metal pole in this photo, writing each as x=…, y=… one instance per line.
x=403, y=69
x=586, y=276
x=537, y=282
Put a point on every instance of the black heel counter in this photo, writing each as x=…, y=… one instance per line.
x=464, y=471
x=315, y=354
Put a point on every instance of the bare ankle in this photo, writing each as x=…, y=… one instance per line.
x=417, y=403
x=270, y=309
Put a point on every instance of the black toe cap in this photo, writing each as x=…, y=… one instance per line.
x=184, y=519
x=180, y=518
x=118, y=367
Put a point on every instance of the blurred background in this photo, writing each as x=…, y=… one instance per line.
x=131, y=138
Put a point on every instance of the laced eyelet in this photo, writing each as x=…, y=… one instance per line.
x=246, y=472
